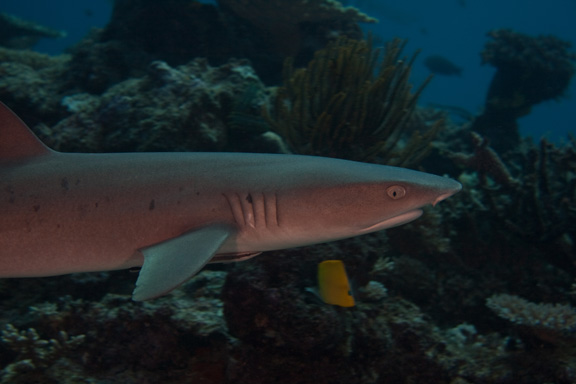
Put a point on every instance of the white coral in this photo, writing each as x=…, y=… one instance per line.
x=557, y=317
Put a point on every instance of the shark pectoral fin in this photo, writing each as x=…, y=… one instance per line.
x=170, y=263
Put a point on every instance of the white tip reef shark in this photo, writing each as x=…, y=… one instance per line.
x=172, y=213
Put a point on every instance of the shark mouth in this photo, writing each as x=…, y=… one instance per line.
x=395, y=221
x=457, y=187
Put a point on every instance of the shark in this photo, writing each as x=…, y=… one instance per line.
x=171, y=213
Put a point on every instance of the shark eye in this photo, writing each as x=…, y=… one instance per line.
x=396, y=192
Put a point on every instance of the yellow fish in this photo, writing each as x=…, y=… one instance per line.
x=333, y=284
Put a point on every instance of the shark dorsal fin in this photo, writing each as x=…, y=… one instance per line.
x=17, y=140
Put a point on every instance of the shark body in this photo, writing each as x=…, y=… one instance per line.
x=171, y=213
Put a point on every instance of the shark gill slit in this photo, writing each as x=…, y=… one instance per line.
x=247, y=206
x=266, y=210
x=271, y=211
x=235, y=207
x=260, y=211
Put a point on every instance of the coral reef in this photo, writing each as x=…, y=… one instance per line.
x=33, y=354
x=486, y=162
x=421, y=289
x=337, y=107
x=20, y=34
x=556, y=317
x=122, y=341
x=536, y=181
x=141, y=31
x=184, y=108
x=530, y=70
x=24, y=71
x=285, y=21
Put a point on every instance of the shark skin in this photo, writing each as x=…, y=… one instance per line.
x=172, y=213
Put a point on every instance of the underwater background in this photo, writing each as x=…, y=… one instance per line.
x=480, y=289
x=455, y=29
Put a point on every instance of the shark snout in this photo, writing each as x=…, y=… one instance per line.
x=452, y=187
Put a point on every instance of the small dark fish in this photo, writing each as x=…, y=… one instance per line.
x=440, y=65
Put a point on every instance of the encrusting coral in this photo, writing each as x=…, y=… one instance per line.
x=338, y=107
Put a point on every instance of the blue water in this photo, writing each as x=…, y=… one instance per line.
x=459, y=33
x=455, y=29
x=74, y=17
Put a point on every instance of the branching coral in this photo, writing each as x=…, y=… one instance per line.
x=525, y=200
x=34, y=353
x=547, y=322
x=338, y=107
x=519, y=311
x=547, y=199
x=486, y=162
x=176, y=339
